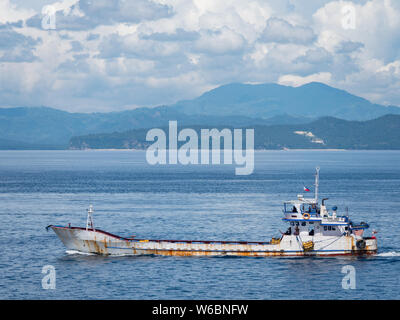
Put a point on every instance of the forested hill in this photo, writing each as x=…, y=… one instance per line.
x=325, y=133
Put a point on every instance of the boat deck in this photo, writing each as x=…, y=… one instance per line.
x=165, y=240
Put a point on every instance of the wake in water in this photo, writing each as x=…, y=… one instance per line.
x=389, y=254
x=72, y=252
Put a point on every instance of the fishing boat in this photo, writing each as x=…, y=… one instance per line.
x=313, y=231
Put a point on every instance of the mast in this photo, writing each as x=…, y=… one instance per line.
x=89, y=220
x=316, y=184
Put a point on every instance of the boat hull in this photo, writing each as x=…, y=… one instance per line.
x=104, y=243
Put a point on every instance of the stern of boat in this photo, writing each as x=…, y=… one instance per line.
x=371, y=245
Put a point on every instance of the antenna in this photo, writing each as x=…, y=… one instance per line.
x=316, y=184
x=89, y=220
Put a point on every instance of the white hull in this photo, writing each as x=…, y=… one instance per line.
x=100, y=242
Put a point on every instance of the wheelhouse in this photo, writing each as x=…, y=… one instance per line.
x=301, y=206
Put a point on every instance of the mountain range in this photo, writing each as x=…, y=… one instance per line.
x=312, y=100
x=232, y=105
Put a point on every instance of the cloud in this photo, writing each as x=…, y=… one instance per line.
x=348, y=46
x=178, y=35
x=18, y=24
x=10, y=39
x=9, y=13
x=76, y=46
x=296, y=81
x=367, y=49
x=88, y=14
x=316, y=57
x=15, y=47
x=222, y=41
x=281, y=31
x=92, y=36
x=109, y=55
x=131, y=46
x=78, y=64
x=376, y=81
x=376, y=27
x=18, y=54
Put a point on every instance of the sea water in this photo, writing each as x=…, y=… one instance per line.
x=197, y=202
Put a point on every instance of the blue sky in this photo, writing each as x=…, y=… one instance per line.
x=111, y=55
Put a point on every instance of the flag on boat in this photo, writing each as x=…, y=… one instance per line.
x=306, y=189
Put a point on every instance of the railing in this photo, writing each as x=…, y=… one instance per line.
x=339, y=219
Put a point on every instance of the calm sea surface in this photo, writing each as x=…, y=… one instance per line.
x=130, y=197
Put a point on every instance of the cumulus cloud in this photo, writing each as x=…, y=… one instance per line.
x=295, y=81
x=88, y=14
x=376, y=26
x=10, y=39
x=132, y=46
x=15, y=47
x=9, y=13
x=372, y=44
x=178, y=35
x=220, y=42
x=348, y=46
x=92, y=36
x=279, y=30
x=315, y=57
x=110, y=55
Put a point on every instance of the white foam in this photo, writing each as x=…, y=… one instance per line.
x=79, y=252
x=93, y=254
x=389, y=254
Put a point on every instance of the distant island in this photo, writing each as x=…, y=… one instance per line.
x=325, y=133
x=311, y=116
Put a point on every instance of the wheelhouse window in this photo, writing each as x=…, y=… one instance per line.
x=289, y=208
x=309, y=208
